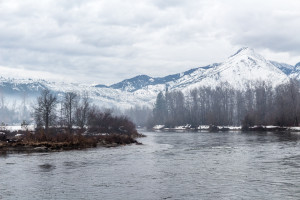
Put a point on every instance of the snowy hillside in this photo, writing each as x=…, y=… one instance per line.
x=244, y=66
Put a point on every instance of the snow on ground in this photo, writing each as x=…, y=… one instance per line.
x=271, y=126
x=231, y=128
x=17, y=128
x=294, y=128
x=158, y=127
x=188, y=126
x=203, y=127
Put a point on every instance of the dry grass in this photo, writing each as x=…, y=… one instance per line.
x=61, y=139
x=116, y=139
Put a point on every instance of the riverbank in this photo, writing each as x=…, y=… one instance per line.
x=225, y=128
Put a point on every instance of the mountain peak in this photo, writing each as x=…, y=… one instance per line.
x=246, y=53
x=243, y=51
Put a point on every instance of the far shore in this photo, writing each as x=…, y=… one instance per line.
x=213, y=128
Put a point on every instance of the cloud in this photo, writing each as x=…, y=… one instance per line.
x=268, y=24
x=107, y=41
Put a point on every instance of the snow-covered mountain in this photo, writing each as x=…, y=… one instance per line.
x=239, y=69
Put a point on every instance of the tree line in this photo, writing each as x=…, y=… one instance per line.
x=258, y=104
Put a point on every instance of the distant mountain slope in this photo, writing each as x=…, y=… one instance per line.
x=285, y=68
x=11, y=86
x=296, y=72
x=242, y=67
x=142, y=81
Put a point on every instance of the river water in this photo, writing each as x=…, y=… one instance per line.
x=170, y=165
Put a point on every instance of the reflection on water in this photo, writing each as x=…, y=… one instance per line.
x=169, y=165
x=46, y=167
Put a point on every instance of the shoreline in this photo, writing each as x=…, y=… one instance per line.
x=213, y=128
x=42, y=148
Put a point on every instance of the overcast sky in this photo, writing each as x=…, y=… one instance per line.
x=106, y=41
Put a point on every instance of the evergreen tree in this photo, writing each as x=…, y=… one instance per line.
x=160, y=109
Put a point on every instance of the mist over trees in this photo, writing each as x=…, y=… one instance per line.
x=258, y=104
x=12, y=111
x=139, y=115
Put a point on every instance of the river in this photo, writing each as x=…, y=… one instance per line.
x=170, y=165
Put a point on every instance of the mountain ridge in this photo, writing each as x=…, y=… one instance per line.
x=244, y=66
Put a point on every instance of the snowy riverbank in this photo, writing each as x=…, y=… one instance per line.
x=227, y=128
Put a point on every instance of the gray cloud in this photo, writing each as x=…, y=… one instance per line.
x=107, y=41
x=269, y=24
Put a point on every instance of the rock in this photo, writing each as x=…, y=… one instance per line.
x=42, y=148
x=224, y=129
x=213, y=128
x=2, y=136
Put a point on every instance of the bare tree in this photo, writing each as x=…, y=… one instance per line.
x=70, y=102
x=293, y=90
x=44, y=112
x=81, y=113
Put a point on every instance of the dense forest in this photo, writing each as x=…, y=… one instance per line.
x=140, y=115
x=258, y=104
